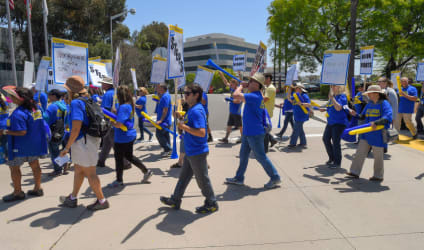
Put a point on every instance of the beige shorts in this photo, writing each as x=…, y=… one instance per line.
x=84, y=152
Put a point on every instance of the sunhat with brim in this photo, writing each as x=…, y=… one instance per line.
x=258, y=77
x=374, y=89
x=75, y=84
x=300, y=85
x=11, y=90
x=106, y=80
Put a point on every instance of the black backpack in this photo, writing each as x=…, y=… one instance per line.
x=58, y=129
x=97, y=123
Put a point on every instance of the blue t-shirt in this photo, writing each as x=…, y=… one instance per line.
x=406, y=106
x=334, y=116
x=205, y=97
x=195, y=118
x=141, y=101
x=78, y=113
x=235, y=108
x=124, y=114
x=165, y=102
x=298, y=113
x=34, y=142
x=53, y=113
x=4, y=114
x=375, y=112
x=107, y=101
x=359, y=99
x=252, y=114
x=287, y=105
x=43, y=99
x=96, y=98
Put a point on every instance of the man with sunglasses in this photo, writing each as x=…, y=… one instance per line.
x=253, y=132
x=196, y=152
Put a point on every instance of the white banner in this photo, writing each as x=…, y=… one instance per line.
x=260, y=61
x=117, y=68
x=420, y=72
x=108, y=64
x=51, y=85
x=239, y=62
x=69, y=58
x=393, y=77
x=134, y=78
x=203, y=77
x=335, y=67
x=175, y=52
x=42, y=73
x=97, y=72
x=367, y=57
x=158, y=70
x=291, y=75
x=28, y=74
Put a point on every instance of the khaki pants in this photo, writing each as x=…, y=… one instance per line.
x=407, y=118
x=362, y=152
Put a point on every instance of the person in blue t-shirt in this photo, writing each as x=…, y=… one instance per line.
x=234, y=117
x=4, y=115
x=299, y=115
x=140, y=105
x=287, y=111
x=205, y=107
x=124, y=140
x=55, y=117
x=253, y=132
x=336, y=124
x=196, y=149
x=420, y=112
x=26, y=141
x=40, y=98
x=407, y=98
x=377, y=112
x=83, y=147
x=164, y=119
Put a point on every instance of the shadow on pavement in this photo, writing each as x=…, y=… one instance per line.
x=172, y=172
x=104, y=170
x=362, y=185
x=224, y=145
x=152, y=157
x=148, y=148
x=234, y=192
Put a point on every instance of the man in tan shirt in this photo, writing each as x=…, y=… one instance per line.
x=269, y=100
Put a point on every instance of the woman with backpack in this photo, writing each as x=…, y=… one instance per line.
x=336, y=124
x=377, y=112
x=26, y=141
x=124, y=140
x=83, y=146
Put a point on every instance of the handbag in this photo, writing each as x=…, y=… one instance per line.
x=390, y=134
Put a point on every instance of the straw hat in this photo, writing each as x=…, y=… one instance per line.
x=75, y=84
x=300, y=85
x=258, y=77
x=374, y=89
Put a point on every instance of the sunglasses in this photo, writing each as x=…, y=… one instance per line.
x=187, y=93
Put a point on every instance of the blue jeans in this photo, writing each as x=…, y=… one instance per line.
x=54, y=153
x=255, y=143
x=298, y=132
x=164, y=139
x=287, y=119
x=333, y=133
x=142, y=128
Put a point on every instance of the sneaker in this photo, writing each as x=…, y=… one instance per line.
x=334, y=166
x=14, y=197
x=238, y=141
x=210, y=138
x=273, y=142
x=150, y=138
x=147, y=176
x=278, y=135
x=223, y=140
x=55, y=174
x=127, y=166
x=352, y=175
x=329, y=162
x=68, y=202
x=233, y=181
x=302, y=145
x=291, y=146
x=98, y=206
x=100, y=165
x=37, y=193
x=170, y=202
x=166, y=153
x=115, y=184
x=207, y=208
x=272, y=184
x=175, y=165
x=376, y=179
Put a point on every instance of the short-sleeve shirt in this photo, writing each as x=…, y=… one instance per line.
x=141, y=101
x=270, y=92
x=195, y=118
x=4, y=114
x=205, y=97
x=298, y=113
x=253, y=114
x=78, y=113
x=43, y=99
x=165, y=102
x=235, y=108
x=358, y=102
x=107, y=101
x=375, y=111
x=406, y=106
x=125, y=114
x=53, y=113
x=334, y=116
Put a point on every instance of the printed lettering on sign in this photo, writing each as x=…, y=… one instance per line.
x=335, y=67
x=366, y=60
x=175, y=52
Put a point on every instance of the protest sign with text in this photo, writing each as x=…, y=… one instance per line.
x=158, y=70
x=108, y=63
x=134, y=78
x=28, y=74
x=175, y=52
x=117, y=68
x=367, y=57
x=42, y=73
x=239, y=62
x=420, y=72
x=291, y=75
x=69, y=58
x=97, y=72
x=335, y=67
x=204, y=77
x=259, y=63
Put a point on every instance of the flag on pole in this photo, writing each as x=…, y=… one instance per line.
x=30, y=7
x=11, y=5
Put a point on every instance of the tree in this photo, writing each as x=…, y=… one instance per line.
x=151, y=36
x=140, y=60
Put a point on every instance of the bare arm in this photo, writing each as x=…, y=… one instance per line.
x=14, y=133
x=224, y=79
x=238, y=94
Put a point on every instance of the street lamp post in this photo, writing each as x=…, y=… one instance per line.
x=132, y=11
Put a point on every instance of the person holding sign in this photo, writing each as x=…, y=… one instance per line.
x=407, y=97
x=420, y=112
x=196, y=152
x=26, y=141
x=253, y=132
x=234, y=118
x=140, y=105
x=164, y=113
x=377, y=112
x=301, y=103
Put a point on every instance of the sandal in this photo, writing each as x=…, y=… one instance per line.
x=13, y=197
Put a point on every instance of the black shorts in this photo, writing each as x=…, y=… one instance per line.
x=234, y=120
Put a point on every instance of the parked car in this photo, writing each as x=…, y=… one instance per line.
x=312, y=87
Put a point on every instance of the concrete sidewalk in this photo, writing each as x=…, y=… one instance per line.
x=315, y=208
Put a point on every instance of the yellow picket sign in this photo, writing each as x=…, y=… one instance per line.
x=151, y=120
x=365, y=130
